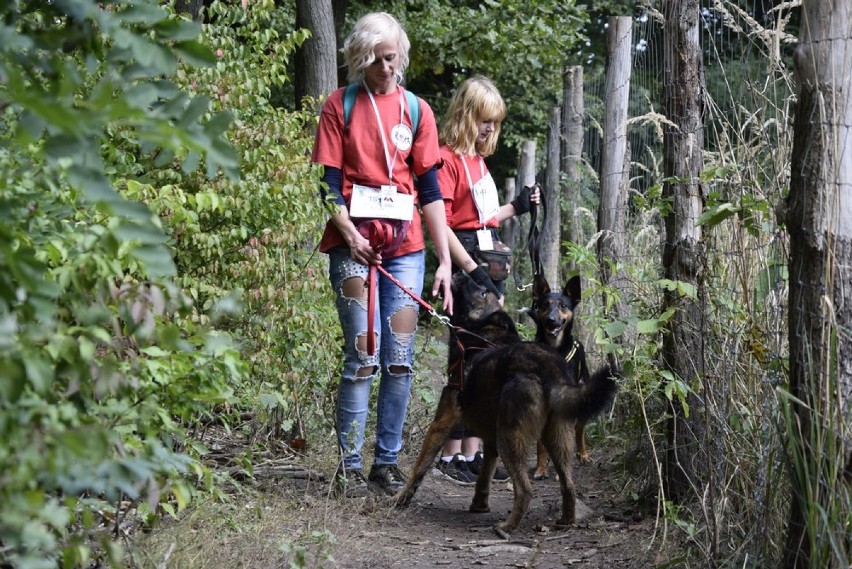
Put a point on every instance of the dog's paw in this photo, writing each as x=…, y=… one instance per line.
x=403, y=498
x=478, y=507
x=503, y=529
x=540, y=474
x=584, y=457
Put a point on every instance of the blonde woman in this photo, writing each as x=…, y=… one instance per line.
x=371, y=154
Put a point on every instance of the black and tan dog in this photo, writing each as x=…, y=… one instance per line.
x=515, y=393
x=553, y=313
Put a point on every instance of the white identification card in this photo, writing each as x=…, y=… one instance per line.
x=486, y=198
x=483, y=238
x=384, y=202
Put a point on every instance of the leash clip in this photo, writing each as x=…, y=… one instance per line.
x=442, y=318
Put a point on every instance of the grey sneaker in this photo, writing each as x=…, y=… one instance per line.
x=457, y=470
x=475, y=466
x=350, y=483
x=387, y=477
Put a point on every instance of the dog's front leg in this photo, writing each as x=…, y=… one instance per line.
x=580, y=442
x=482, y=491
x=447, y=416
x=540, y=462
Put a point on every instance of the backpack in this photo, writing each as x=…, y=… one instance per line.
x=352, y=92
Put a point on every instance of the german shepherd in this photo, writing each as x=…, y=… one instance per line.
x=515, y=393
x=553, y=313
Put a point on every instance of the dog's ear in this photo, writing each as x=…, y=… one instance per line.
x=572, y=289
x=540, y=286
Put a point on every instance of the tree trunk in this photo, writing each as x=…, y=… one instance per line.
x=339, y=8
x=819, y=219
x=316, y=59
x=550, y=235
x=683, y=254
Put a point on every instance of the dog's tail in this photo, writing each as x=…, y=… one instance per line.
x=588, y=399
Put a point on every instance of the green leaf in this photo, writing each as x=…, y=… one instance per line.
x=716, y=215
x=195, y=53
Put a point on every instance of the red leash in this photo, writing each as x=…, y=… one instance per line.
x=371, y=303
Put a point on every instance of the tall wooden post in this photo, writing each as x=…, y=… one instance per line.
x=612, y=214
x=573, y=110
x=819, y=219
x=683, y=253
x=550, y=234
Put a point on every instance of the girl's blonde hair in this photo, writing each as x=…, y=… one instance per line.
x=369, y=31
x=477, y=99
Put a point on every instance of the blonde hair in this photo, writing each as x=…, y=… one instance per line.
x=369, y=31
x=477, y=99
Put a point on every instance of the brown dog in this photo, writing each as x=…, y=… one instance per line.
x=515, y=393
x=553, y=313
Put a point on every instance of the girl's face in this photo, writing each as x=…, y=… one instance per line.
x=485, y=128
x=380, y=75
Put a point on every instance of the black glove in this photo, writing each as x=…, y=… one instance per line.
x=482, y=279
x=521, y=203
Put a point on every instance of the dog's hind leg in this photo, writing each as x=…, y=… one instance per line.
x=557, y=438
x=446, y=416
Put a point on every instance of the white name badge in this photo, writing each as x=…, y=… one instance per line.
x=483, y=238
x=402, y=137
x=486, y=199
x=386, y=202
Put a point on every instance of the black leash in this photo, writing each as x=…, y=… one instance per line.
x=533, y=241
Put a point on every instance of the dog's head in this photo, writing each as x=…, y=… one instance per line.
x=553, y=312
x=471, y=301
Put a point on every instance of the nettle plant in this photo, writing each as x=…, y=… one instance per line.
x=104, y=362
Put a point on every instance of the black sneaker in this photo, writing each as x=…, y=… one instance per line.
x=387, y=477
x=475, y=466
x=455, y=470
x=350, y=483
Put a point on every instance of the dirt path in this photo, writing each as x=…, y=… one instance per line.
x=437, y=530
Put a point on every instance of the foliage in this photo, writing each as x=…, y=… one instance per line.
x=257, y=235
x=103, y=369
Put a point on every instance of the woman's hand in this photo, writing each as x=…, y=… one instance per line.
x=361, y=251
x=527, y=196
x=443, y=278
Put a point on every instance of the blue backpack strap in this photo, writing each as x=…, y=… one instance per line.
x=349, y=96
x=413, y=109
x=351, y=93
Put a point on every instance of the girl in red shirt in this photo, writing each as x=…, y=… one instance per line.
x=469, y=135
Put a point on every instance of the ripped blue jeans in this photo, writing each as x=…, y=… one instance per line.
x=394, y=327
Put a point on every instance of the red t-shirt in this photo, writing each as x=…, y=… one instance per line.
x=458, y=199
x=360, y=154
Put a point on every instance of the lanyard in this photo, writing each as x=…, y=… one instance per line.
x=388, y=160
